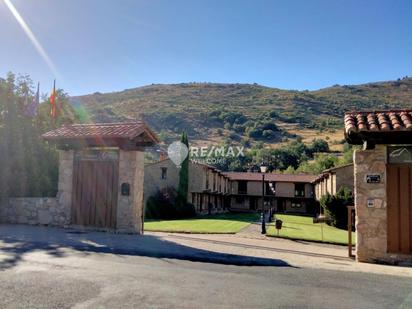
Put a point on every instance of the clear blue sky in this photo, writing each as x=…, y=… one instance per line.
x=102, y=45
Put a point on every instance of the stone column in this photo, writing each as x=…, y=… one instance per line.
x=64, y=195
x=130, y=208
x=371, y=222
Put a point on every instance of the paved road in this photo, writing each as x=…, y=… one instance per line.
x=36, y=275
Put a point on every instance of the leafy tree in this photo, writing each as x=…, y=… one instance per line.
x=319, y=145
x=321, y=163
x=29, y=166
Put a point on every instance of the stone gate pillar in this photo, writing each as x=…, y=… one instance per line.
x=130, y=208
x=65, y=184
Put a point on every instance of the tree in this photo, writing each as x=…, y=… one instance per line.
x=335, y=206
x=183, y=188
x=322, y=162
x=319, y=145
x=28, y=165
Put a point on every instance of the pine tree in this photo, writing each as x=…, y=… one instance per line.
x=184, y=175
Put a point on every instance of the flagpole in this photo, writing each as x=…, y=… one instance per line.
x=53, y=105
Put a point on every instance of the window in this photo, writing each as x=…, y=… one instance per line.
x=270, y=188
x=242, y=187
x=296, y=205
x=164, y=172
x=299, y=189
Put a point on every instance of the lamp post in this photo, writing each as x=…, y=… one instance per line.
x=263, y=170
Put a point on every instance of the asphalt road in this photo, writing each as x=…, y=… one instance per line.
x=68, y=278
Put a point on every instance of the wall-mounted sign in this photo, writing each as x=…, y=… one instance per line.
x=373, y=178
x=399, y=154
x=125, y=189
x=370, y=203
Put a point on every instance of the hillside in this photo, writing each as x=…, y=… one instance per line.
x=244, y=113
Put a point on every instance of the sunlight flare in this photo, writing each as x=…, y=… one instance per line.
x=32, y=37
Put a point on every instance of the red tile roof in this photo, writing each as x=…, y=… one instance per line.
x=381, y=120
x=128, y=130
x=378, y=126
x=271, y=177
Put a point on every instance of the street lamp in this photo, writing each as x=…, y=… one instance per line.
x=263, y=170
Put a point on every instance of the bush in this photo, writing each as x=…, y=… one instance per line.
x=335, y=206
x=164, y=205
x=255, y=133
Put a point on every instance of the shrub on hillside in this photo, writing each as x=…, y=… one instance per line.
x=164, y=205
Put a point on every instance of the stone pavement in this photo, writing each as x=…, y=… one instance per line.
x=16, y=241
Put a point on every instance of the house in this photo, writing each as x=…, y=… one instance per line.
x=208, y=187
x=285, y=193
x=383, y=184
x=101, y=171
x=333, y=179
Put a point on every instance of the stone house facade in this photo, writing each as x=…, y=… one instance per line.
x=284, y=193
x=333, y=179
x=383, y=184
x=208, y=187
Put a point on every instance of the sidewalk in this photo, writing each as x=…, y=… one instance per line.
x=296, y=253
x=17, y=240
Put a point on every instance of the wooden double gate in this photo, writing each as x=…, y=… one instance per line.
x=399, y=194
x=95, y=187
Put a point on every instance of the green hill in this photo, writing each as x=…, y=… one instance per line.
x=244, y=113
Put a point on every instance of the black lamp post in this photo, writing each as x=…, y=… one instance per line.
x=263, y=170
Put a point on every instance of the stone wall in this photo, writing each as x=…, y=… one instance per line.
x=153, y=177
x=41, y=210
x=371, y=220
x=57, y=211
x=130, y=208
x=344, y=178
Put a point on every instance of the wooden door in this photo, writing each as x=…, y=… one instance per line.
x=95, y=193
x=399, y=190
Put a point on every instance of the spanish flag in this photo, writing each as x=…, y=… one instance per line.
x=53, y=108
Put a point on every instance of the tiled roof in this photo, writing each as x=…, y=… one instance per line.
x=271, y=177
x=378, y=121
x=128, y=130
x=393, y=126
x=325, y=173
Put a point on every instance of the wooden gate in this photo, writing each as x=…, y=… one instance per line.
x=95, y=182
x=399, y=190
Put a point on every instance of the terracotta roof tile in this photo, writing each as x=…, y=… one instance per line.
x=99, y=130
x=271, y=177
x=394, y=120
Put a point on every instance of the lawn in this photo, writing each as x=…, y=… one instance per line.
x=299, y=227
x=213, y=224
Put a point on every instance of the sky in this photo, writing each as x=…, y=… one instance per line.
x=106, y=45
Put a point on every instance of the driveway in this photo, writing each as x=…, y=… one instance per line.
x=57, y=268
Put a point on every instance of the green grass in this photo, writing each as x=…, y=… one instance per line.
x=303, y=228
x=214, y=224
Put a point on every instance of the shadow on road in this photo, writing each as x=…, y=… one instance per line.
x=18, y=240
